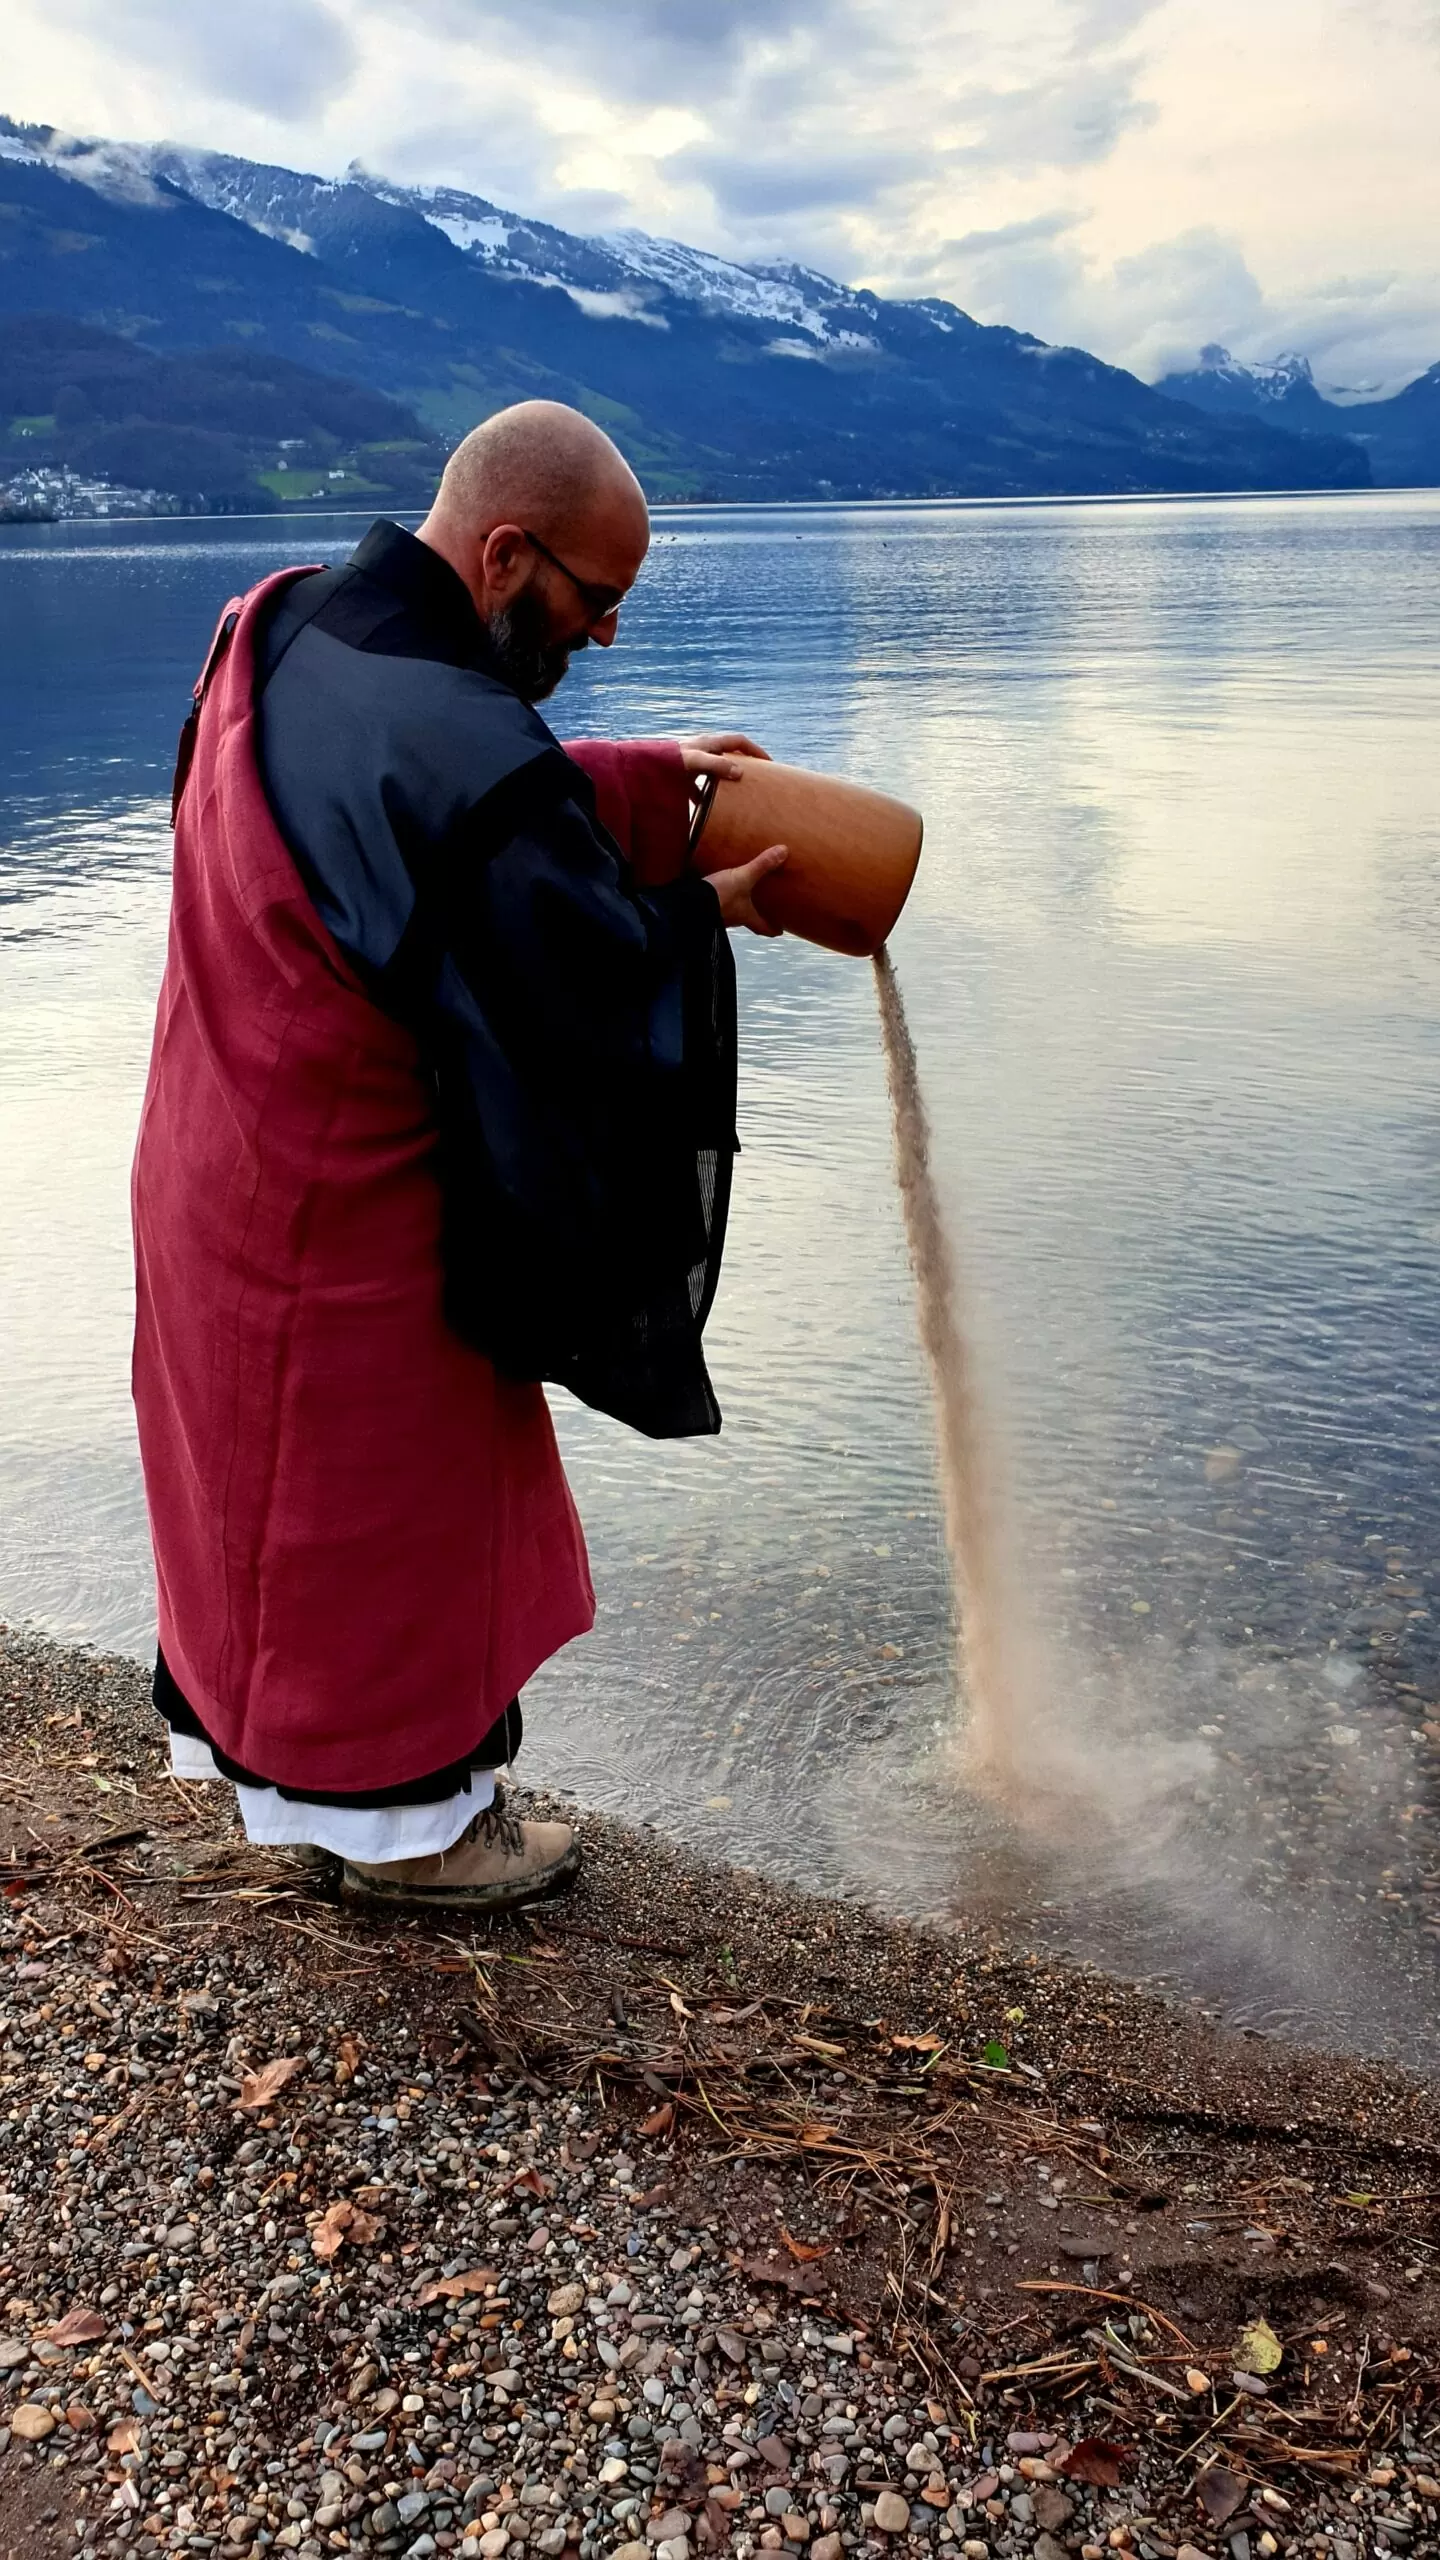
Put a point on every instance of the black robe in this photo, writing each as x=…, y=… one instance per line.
x=579, y=1030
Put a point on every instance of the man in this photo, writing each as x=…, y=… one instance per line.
x=441, y=1104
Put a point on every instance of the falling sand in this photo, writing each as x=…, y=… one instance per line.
x=993, y=1676
x=1043, y=1735
x=1096, y=1766
x=1036, y=1738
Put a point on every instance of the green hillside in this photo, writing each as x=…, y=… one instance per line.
x=229, y=429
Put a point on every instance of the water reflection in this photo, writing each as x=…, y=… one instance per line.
x=1171, y=965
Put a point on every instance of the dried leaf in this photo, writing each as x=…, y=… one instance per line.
x=123, y=2439
x=1094, y=2461
x=327, y=2236
x=451, y=2288
x=919, y=2044
x=76, y=2328
x=1260, y=2349
x=803, y=2249
x=341, y=2222
x=812, y=2135
x=257, y=2088
x=1220, y=2492
x=533, y=2182
x=805, y=2280
x=661, y=2121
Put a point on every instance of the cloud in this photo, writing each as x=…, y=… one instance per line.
x=1068, y=122
x=746, y=187
x=1364, y=335
x=1161, y=299
x=1028, y=273
x=1154, y=310
x=510, y=158
x=639, y=49
x=281, y=58
x=624, y=305
x=1151, y=312
x=1012, y=235
x=675, y=28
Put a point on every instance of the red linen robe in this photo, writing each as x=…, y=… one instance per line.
x=364, y=1540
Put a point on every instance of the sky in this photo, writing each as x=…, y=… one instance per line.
x=1141, y=180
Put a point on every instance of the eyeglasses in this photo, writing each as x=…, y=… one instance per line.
x=599, y=602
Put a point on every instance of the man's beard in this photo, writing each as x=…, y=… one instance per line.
x=525, y=657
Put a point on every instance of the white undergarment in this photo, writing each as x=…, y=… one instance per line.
x=375, y=1837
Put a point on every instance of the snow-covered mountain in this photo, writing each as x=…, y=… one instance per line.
x=1277, y=380
x=1229, y=387
x=632, y=264
x=618, y=274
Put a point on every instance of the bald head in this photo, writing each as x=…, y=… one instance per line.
x=546, y=523
x=544, y=467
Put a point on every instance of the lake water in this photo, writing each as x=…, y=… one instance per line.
x=1173, y=971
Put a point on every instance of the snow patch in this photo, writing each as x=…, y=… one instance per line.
x=695, y=275
x=486, y=234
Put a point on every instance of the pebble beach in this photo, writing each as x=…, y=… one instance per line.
x=689, y=2215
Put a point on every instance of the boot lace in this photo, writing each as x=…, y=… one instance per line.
x=498, y=1827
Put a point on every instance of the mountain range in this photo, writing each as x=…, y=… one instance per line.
x=152, y=293
x=1401, y=435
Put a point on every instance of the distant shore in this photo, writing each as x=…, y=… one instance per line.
x=663, y=507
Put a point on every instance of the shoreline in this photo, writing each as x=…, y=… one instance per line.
x=786, y=2096
x=664, y=507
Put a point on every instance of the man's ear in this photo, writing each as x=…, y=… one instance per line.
x=507, y=562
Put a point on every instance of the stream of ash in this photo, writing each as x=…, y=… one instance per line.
x=994, y=1676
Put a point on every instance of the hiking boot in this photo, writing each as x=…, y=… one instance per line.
x=498, y=1863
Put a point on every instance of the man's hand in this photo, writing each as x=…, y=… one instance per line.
x=736, y=891
x=723, y=755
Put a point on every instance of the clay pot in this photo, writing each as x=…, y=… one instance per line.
x=852, y=853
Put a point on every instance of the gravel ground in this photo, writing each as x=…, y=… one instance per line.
x=688, y=2215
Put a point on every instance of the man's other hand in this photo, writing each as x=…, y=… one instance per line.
x=721, y=755
x=736, y=890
